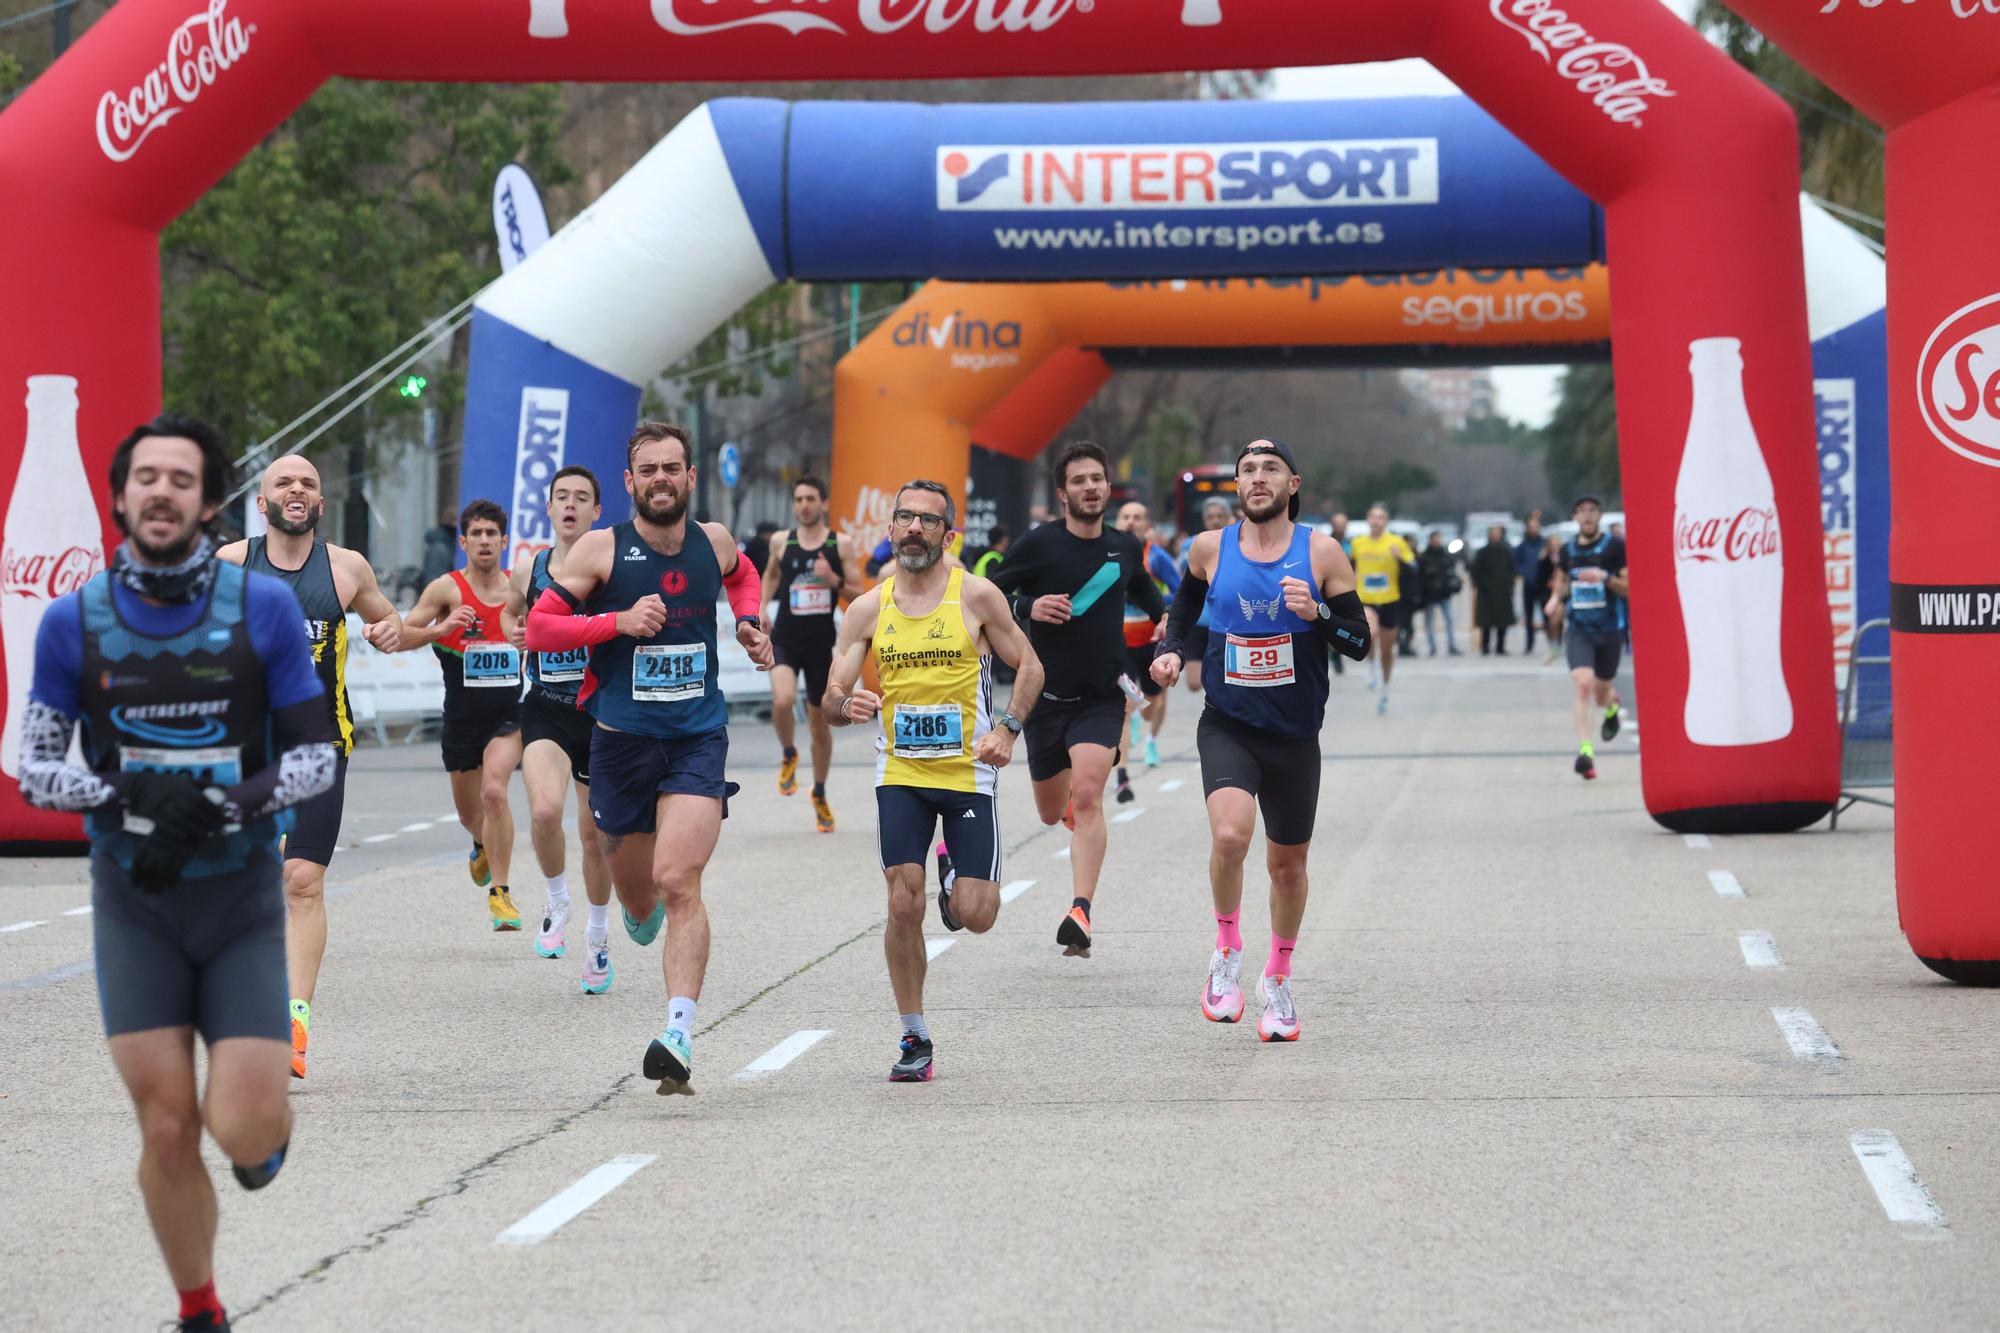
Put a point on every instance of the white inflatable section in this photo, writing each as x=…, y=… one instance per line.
x=1845, y=280
x=640, y=277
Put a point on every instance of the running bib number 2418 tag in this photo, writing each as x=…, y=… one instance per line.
x=1586, y=596
x=666, y=673
x=929, y=731
x=1258, y=664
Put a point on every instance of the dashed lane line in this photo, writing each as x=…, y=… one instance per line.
x=1905, y=1199
x=932, y=948
x=1759, y=949
x=1128, y=816
x=1725, y=884
x=20, y=926
x=1804, y=1035
x=379, y=837
x=546, y=1220
x=786, y=1051
x=1696, y=841
x=1172, y=784
x=1014, y=889
x=78, y=911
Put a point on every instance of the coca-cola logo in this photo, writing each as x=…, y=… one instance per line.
x=1750, y=534
x=1965, y=9
x=197, y=54
x=697, y=18
x=47, y=576
x=1958, y=382
x=1611, y=74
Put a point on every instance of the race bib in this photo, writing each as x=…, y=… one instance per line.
x=669, y=673
x=1374, y=583
x=561, y=668
x=1586, y=596
x=929, y=731
x=492, y=666
x=1258, y=664
x=809, y=599
x=219, y=766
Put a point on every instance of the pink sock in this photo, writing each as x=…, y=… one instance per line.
x=1280, y=964
x=1227, y=936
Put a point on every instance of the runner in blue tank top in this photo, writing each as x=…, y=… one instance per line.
x=1277, y=596
x=647, y=591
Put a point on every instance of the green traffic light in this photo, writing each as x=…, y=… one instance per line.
x=413, y=386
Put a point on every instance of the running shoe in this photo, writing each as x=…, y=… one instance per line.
x=822, y=814
x=263, y=1173
x=208, y=1321
x=670, y=1061
x=1069, y=816
x=1612, y=721
x=500, y=907
x=1280, y=1021
x=645, y=932
x=1138, y=731
x=1586, y=767
x=1222, y=998
x=1074, y=934
x=914, y=1064
x=788, y=775
x=944, y=891
x=596, y=966
x=476, y=866
x=1382, y=705
x=555, y=920
x=1125, y=793
x=298, y=1049
x=1152, y=753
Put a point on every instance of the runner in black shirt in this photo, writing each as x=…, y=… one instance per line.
x=1077, y=576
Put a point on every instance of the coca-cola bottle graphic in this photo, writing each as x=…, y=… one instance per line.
x=1728, y=562
x=52, y=543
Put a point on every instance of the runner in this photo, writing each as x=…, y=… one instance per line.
x=328, y=580
x=1379, y=557
x=810, y=569
x=648, y=589
x=1590, y=586
x=1259, y=735
x=1215, y=516
x=931, y=627
x=555, y=740
x=1152, y=714
x=1071, y=573
x=458, y=615
x=184, y=822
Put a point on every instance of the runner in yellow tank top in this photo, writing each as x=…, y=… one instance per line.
x=1379, y=557
x=932, y=627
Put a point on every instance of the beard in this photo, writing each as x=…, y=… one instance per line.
x=172, y=551
x=919, y=555
x=1277, y=505
x=664, y=510
x=1086, y=508
x=275, y=519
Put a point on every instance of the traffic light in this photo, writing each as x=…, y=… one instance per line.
x=413, y=386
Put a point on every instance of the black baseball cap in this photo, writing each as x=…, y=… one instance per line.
x=1281, y=450
x=1585, y=499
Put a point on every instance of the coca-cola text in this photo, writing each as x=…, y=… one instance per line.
x=1610, y=73
x=1751, y=534
x=1965, y=9
x=197, y=54
x=691, y=18
x=46, y=577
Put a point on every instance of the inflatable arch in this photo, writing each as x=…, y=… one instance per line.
x=1929, y=72
x=1694, y=164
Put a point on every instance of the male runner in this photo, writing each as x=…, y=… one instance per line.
x=1379, y=557
x=1077, y=577
x=1278, y=596
x=931, y=627
x=648, y=590
x=555, y=739
x=202, y=724
x=1590, y=584
x=328, y=580
x=1134, y=520
x=458, y=615
x=1216, y=514
x=810, y=569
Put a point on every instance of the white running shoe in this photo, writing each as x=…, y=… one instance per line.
x=1280, y=1021
x=1222, y=998
x=596, y=965
x=555, y=920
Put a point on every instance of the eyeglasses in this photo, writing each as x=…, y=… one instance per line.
x=906, y=518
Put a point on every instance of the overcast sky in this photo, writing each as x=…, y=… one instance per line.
x=1526, y=393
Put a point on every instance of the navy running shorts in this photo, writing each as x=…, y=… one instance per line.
x=316, y=822
x=632, y=772
x=908, y=818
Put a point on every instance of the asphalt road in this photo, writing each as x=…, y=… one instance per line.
x=1541, y=1082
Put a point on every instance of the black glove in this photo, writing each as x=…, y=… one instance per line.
x=181, y=813
x=159, y=863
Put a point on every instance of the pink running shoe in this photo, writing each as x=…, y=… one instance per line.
x=555, y=920
x=1280, y=1021
x=596, y=966
x=1222, y=998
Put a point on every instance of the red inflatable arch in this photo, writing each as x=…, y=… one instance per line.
x=1694, y=162
x=1929, y=71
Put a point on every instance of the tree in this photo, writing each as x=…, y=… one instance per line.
x=1583, y=434
x=1387, y=484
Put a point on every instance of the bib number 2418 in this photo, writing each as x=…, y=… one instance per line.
x=666, y=673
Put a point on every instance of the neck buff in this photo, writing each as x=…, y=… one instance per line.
x=176, y=585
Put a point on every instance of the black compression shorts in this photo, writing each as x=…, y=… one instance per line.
x=316, y=822
x=546, y=718
x=812, y=659
x=1282, y=774
x=1055, y=725
x=464, y=738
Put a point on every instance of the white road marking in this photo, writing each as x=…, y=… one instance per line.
x=379, y=837
x=78, y=911
x=1129, y=815
x=416, y=828
x=1696, y=841
x=1173, y=784
x=1014, y=889
x=1759, y=949
x=1725, y=884
x=448, y=817
x=1063, y=855
x=539, y=1225
x=1804, y=1035
x=786, y=1051
x=1902, y=1195
x=21, y=925
x=932, y=948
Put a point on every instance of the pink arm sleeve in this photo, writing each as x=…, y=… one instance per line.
x=554, y=628
x=745, y=588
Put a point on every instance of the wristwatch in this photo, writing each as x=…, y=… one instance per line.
x=752, y=621
x=1325, y=612
x=1009, y=721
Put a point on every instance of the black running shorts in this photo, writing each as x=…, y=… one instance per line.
x=1055, y=725
x=1139, y=665
x=811, y=658
x=1598, y=650
x=547, y=718
x=908, y=819
x=464, y=738
x=316, y=822
x=1282, y=774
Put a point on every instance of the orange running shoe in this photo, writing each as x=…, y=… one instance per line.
x=788, y=774
x=1074, y=934
x=298, y=1049
x=822, y=814
x=1069, y=816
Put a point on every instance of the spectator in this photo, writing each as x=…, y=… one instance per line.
x=1493, y=591
x=758, y=548
x=995, y=551
x=1438, y=573
x=1527, y=560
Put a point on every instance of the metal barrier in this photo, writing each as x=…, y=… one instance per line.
x=1867, y=733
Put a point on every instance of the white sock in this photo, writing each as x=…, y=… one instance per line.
x=600, y=921
x=558, y=890
x=913, y=1025
x=680, y=1015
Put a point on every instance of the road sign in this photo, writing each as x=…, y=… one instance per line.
x=729, y=465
